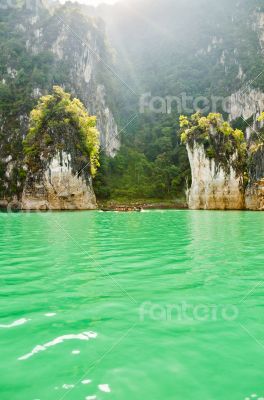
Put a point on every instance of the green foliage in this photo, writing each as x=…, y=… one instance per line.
x=22, y=68
x=261, y=117
x=152, y=163
x=56, y=117
x=200, y=128
x=220, y=140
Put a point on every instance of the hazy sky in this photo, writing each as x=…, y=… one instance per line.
x=96, y=2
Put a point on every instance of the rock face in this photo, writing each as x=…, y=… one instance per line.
x=110, y=140
x=246, y=103
x=57, y=187
x=86, y=56
x=254, y=196
x=212, y=188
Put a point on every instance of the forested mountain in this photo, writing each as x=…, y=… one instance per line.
x=180, y=48
x=117, y=59
x=175, y=45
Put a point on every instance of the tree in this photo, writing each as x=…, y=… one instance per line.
x=227, y=146
x=62, y=123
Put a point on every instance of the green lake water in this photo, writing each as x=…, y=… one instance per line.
x=132, y=306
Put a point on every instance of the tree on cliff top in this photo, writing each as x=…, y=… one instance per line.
x=60, y=123
x=227, y=146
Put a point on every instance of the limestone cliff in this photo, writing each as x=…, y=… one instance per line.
x=212, y=187
x=248, y=102
x=57, y=187
x=227, y=171
x=254, y=196
x=61, y=155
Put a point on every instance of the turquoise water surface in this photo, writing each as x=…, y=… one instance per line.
x=132, y=306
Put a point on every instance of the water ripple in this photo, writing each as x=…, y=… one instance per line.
x=58, y=340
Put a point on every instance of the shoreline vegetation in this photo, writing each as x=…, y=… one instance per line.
x=139, y=205
x=117, y=205
x=129, y=206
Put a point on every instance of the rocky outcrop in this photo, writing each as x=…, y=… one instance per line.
x=246, y=103
x=259, y=27
x=212, y=187
x=110, y=141
x=254, y=196
x=215, y=188
x=57, y=187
